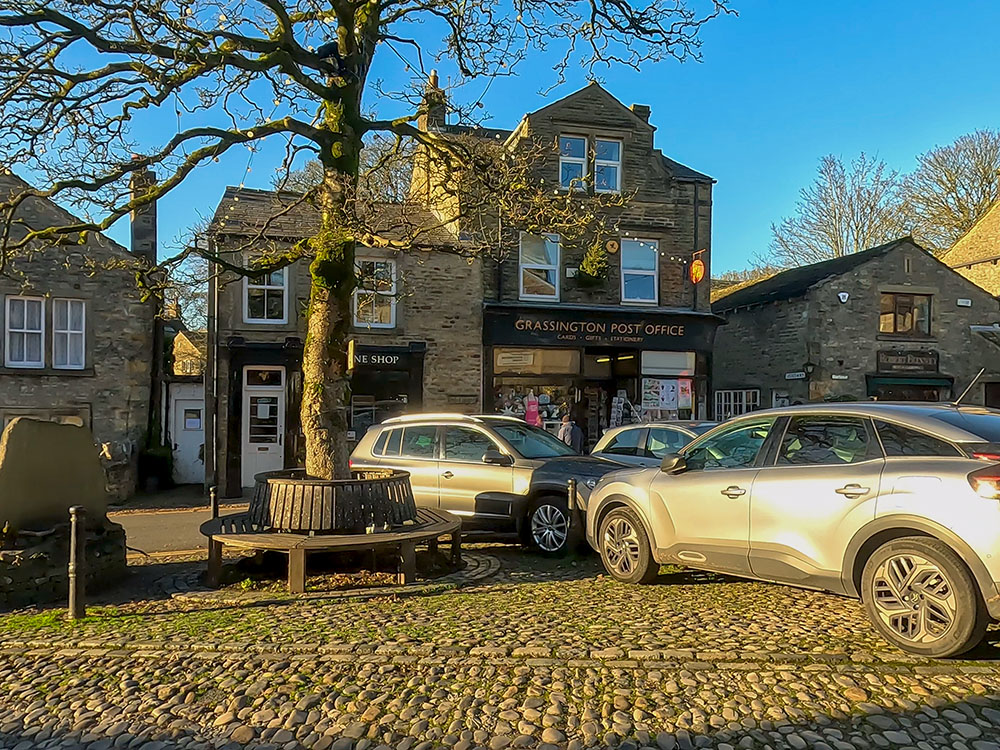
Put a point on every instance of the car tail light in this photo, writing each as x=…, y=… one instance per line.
x=984, y=451
x=986, y=482
x=350, y=463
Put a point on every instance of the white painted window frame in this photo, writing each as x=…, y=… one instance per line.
x=69, y=333
x=582, y=161
x=267, y=286
x=655, y=273
x=609, y=163
x=732, y=402
x=522, y=267
x=26, y=365
x=362, y=290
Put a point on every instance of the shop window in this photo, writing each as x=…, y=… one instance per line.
x=905, y=314
x=25, y=329
x=572, y=162
x=732, y=403
x=265, y=297
x=68, y=335
x=640, y=260
x=362, y=413
x=539, y=266
x=607, y=166
x=511, y=360
x=375, y=295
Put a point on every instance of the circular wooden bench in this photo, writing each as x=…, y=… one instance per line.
x=241, y=531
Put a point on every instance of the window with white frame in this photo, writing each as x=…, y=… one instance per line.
x=375, y=295
x=24, y=324
x=265, y=297
x=640, y=260
x=732, y=403
x=607, y=166
x=572, y=161
x=68, y=334
x=539, y=266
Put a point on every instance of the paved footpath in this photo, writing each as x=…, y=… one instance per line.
x=542, y=655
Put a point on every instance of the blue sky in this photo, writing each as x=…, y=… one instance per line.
x=780, y=86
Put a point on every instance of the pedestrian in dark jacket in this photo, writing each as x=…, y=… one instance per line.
x=571, y=434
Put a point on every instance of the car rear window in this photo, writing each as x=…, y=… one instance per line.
x=904, y=441
x=986, y=426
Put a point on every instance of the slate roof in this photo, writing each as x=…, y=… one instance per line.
x=797, y=281
x=684, y=173
x=245, y=212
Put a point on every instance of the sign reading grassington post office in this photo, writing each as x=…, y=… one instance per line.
x=586, y=326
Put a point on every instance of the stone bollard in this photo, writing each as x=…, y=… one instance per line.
x=77, y=562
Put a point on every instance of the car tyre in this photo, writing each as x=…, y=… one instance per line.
x=548, y=526
x=922, y=598
x=625, y=549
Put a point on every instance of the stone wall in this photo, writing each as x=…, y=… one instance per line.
x=34, y=570
x=757, y=346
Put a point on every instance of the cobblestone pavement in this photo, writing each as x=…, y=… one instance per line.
x=541, y=654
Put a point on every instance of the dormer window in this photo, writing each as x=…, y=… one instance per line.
x=607, y=166
x=572, y=162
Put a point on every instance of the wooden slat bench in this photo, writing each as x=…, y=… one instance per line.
x=237, y=530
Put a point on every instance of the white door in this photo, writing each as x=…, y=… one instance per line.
x=188, y=436
x=263, y=421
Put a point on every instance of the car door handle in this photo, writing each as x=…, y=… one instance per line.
x=447, y=475
x=734, y=491
x=852, y=490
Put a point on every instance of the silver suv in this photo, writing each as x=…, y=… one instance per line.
x=498, y=473
x=898, y=504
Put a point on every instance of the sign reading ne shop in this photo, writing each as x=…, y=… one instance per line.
x=567, y=327
x=909, y=362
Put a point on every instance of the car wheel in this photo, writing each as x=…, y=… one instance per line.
x=921, y=597
x=625, y=549
x=547, y=526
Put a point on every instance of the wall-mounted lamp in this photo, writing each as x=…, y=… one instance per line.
x=808, y=368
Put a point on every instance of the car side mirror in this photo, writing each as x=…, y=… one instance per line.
x=497, y=458
x=673, y=463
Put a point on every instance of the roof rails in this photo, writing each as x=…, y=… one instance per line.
x=431, y=418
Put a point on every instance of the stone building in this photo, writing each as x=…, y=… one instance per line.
x=977, y=254
x=517, y=330
x=77, y=346
x=638, y=341
x=890, y=323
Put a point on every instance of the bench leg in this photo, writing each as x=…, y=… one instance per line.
x=432, y=546
x=214, y=562
x=297, y=570
x=407, y=564
x=456, y=547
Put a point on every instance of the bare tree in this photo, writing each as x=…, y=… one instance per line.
x=952, y=187
x=76, y=74
x=846, y=209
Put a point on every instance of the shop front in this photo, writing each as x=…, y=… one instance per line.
x=604, y=366
x=386, y=381
x=908, y=376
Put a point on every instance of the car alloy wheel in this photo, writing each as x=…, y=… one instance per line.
x=549, y=528
x=914, y=598
x=621, y=546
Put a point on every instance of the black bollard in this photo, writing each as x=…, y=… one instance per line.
x=213, y=500
x=77, y=562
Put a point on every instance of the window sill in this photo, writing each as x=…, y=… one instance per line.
x=905, y=339
x=253, y=322
x=527, y=298
x=639, y=303
x=47, y=372
x=374, y=329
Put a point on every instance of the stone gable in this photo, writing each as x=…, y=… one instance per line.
x=977, y=254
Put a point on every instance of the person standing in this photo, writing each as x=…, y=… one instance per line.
x=571, y=434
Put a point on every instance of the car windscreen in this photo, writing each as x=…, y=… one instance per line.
x=986, y=426
x=531, y=442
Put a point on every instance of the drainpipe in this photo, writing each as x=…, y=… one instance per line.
x=694, y=289
x=211, y=378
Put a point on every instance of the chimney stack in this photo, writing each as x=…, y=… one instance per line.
x=641, y=111
x=144, y=217
x=434, y=108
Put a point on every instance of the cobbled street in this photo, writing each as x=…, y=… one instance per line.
x=532, y=653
